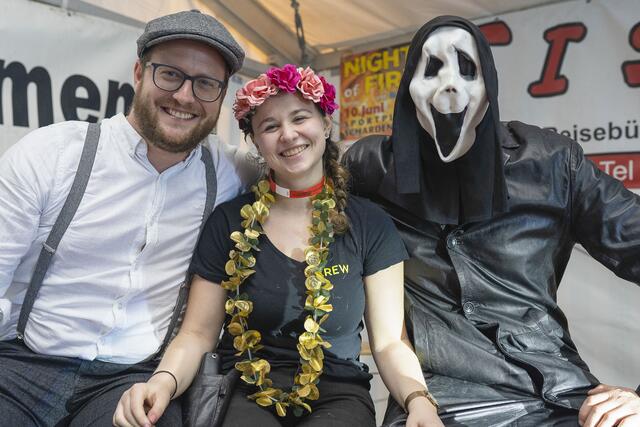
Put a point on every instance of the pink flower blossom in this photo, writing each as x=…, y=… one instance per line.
x=253, y=94
x=310, y=85
x=327, y=102
x=285, y=78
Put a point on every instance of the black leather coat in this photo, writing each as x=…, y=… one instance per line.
x=481, y=297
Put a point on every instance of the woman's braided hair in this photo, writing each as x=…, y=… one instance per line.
x=339, y=176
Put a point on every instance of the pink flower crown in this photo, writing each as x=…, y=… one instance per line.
x=288, y=78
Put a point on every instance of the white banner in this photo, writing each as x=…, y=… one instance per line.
x=575, y=67
x=57, y=65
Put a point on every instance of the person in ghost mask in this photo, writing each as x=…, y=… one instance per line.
x=489, y=213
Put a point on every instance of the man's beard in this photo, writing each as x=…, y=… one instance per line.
x=146, y=114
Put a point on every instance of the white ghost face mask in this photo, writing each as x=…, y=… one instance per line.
x=448, y=91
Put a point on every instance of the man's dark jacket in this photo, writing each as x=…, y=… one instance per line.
x=481, y=297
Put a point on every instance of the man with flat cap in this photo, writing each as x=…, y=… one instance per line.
x=98, y=224
x=489, y=213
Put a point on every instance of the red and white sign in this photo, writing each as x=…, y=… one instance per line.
x=622, y=166
x=574, y=67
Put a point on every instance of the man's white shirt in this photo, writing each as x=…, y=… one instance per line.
x=112, y=285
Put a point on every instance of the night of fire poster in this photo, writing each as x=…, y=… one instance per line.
x=369, y=83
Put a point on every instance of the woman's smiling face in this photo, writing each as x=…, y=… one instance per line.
x=290, y=133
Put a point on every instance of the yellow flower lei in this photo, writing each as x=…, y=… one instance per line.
x=238, y=306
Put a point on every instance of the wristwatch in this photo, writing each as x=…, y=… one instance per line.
x=419, y=393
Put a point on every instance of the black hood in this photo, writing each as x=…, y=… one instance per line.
x=471, y=188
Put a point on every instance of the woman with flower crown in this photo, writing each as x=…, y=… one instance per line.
x=293, y=267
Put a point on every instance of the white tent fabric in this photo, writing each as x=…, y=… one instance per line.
x=331, y=27
x=359, y=22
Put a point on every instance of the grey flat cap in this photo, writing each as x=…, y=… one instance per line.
x=193, y=25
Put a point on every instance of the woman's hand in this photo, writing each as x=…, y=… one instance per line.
x=422, y=414
x=144, y=403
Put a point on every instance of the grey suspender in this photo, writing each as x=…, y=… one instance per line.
x=69, y=208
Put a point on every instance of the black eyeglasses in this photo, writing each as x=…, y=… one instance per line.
x=170, y=78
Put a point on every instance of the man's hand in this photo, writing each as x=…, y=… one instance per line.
x=609, y=406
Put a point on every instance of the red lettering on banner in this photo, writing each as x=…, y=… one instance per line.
x=551, y=83
x=622, y=166
x=631, y=69
x=497, y=33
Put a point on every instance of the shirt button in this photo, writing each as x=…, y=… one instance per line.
x=469, y=307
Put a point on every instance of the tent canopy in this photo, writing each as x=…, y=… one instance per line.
x=332, y=28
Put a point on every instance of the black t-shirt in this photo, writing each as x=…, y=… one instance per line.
x=277, y=287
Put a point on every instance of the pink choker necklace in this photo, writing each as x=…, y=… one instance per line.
x=296, y=194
